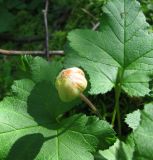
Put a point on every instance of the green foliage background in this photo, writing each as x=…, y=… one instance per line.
x=20, y=20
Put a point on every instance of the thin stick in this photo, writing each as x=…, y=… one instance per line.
x=95, y=26
x=12, y=52
x=89, y=14
x=46, y=28
x=93, y=108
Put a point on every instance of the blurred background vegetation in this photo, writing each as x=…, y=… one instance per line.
x=22, y=28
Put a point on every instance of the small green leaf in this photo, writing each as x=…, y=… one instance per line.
x=133, y=119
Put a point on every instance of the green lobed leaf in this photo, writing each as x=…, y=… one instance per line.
x=29, y=129
x=121, y=53
x=143, y=136
x=26, y=136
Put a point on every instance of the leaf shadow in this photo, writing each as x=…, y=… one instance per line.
x=26, y=147
x=39, y=102
x=44, y=104
x=29, y=146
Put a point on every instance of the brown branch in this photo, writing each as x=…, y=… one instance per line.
x=12, y=52
x=46, y=28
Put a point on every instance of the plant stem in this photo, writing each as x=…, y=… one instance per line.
x=93, y=108
x=117, y=108
x=117, y=97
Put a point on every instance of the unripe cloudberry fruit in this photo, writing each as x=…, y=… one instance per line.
x=70, y=83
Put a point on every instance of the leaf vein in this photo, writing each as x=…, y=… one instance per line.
x=114, y=17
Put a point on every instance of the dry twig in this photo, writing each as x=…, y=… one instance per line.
x=95, y=26
x=46, y=29
x=11, y=52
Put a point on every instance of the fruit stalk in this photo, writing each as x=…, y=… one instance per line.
x=90, y=104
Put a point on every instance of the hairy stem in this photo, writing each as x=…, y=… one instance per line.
x=89, y=103
x=117, y=109
x=117, y=98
